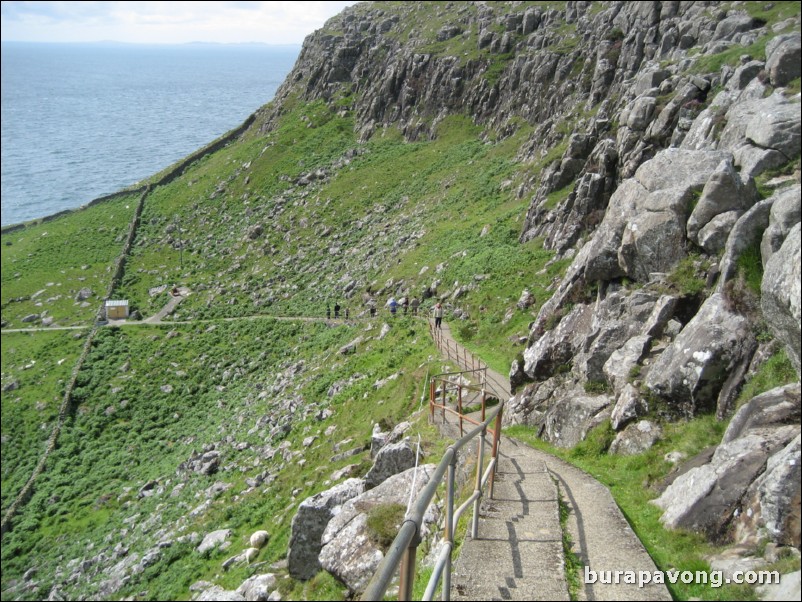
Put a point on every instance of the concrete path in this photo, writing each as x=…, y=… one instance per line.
x=518, y=554
x=458, y=354
x=168, y=308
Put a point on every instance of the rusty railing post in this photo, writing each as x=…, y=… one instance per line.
x=406, y=572
x=459, y=407
x=444, y=399
x=494, y=452
x=431, y=400
x=479, y=466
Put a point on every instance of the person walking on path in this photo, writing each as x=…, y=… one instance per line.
x=405, y=304
x=328, y=312
x=393, y=305
x=438, y=315
x=336, y=311
x=415, y=305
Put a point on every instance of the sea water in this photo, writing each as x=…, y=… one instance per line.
x=83, y=120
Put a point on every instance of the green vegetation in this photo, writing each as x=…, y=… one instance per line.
x=686, y=278
x=384, y=521
x=37, y=366
x=774, y=372
x=45, y=265
x=322, y=586
x=277, y=226
x=768, y=13
x=149, y=397
x=750, y=265
x=788, y=169
x=596, y=387
x=573, y=563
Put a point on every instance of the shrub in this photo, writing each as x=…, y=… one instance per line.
x=384, y=521
x=596, y=443
x=596, y=387
x=686, y=278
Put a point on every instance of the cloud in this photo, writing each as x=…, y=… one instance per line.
x=275, y=22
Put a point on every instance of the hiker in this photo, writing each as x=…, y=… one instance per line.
x=438, y=315
x=415, y=305
x=336, y=310
x=393, y=305
x=346, y=313
x=174, y=292
x=405, y=304
x=328, y=312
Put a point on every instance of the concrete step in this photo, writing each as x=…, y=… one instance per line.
x=518, y=553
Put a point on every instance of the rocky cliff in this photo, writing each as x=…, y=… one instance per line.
x=667, y=147
x=661, y=153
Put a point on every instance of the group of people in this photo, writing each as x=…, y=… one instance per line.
x=337, y=310
x=393, y=305
x=405, y=305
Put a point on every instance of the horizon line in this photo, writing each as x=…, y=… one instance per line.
x=196, y=42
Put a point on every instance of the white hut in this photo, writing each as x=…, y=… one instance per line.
x=116, y=310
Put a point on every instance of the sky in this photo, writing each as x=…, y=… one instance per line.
x=274, y=22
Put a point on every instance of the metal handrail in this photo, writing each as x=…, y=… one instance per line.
x=402, y=552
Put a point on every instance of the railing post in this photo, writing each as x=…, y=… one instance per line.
x=478, y=487
x=444, y=400
x=449, y=534
x=431, y=400
x=484, y=400
x=406, y=572
x=494, y=452
x=459, y=407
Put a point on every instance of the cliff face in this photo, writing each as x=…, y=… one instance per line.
x=647, y=145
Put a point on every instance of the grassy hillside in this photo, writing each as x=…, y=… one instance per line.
x=45, y=266
x=387, y=217
x=274, y=398
x=35, y=369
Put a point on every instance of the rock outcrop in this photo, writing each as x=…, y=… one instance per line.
x=310, y=522
x=780, y=294
x=349, y=550
x=744, y=478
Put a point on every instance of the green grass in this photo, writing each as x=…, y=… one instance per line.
x=40, y=364
x=573, y=562
x=390, y=217
x=45, y=265
x=750, y=264
x=775, y=372
x=437, y=196
x=129, y=428
x=769, y=13
x=384, y=521
x=686, y=278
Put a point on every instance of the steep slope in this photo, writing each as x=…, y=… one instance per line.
x=592, y=188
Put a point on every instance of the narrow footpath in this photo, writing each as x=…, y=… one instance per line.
x=519, y=552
